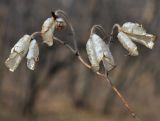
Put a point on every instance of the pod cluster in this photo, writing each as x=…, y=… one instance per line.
x=24, y=47
x=27, y=46
x=133, y=32
x=129, y=33
x=97, y=50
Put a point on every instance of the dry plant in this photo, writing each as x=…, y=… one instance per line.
x=98, y=49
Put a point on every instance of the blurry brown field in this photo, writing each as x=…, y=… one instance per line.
x=61, y=88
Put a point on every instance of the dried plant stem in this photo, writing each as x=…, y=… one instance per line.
x=83, y=62
x=99, y=27
x=67, y=20
x=33, y=35
x=67, y=45
x=133, y=114
x=75, y=51
x=105, y=78
x=112, y=32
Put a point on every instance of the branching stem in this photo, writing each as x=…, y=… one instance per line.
x=105, y=76
x=76, y=52
x=125, y=103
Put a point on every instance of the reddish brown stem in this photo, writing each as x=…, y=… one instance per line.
x=124, y=101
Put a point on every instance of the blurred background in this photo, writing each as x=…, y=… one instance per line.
x=61, y=88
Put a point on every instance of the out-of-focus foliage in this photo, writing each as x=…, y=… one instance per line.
x=60, y=85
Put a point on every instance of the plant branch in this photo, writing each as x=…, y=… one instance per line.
x=121, y=97
x=105, y=76
x=112, y=32
x=99, y=27
x=67, y=20
x=65, y=44
x=33, y=35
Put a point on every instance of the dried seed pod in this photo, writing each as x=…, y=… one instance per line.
x=92, y=55
x=108, y=60
x=133, y=28
x=146, y=40
x=98, y=51
x=32, y=56
x=127, y=44
x=18, y=52
x=60, y=24
x=48, y=28
x=138, y=34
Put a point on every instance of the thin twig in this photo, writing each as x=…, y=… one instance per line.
x=83, y=62
x=112, y=32
x=125, y=103
x=99, y=27
x=67, y=20
x=33, y=35
x=67, y=45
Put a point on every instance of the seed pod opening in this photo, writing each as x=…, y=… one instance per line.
x=18, y=52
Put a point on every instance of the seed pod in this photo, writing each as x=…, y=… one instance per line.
x=60, y=24
x=127, y=44
x=138, y=34
x=48, y=28
x=108, y=60
x=147, y=40
x=32, y=56
x=92, y=55
x=133, y=28
x=98, y=51
x=18, y=52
